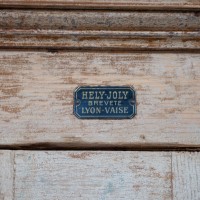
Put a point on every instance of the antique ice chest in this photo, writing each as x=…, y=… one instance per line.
x=100, y=99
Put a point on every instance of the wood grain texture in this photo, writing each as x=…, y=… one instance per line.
x=6, y=175
x=116, y=30
x=186, y=173
x=105, y=4
x=99, y=175
x=36, y=93
x=98, y=20
x=92, y=175
x=101, y=40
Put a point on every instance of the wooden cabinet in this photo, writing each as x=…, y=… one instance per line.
x=48, y=49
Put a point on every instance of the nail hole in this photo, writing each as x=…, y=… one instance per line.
x=132, y=102
x=78, y=102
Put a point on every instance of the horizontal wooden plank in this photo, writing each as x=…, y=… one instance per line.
x=186, y=175
x=101, y=40
x=98, y=20
x=36, y=99
x=105, y=4
x=6, y=175
x=92, y=175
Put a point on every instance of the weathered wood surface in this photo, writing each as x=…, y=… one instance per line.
x=99, y=20
x=99, y=175
x=107, y=175
x=186, y=176
x=36, y=99
x=93, y=175
x=105, y=4
x=6, y=175
x=118, y=30
x=101, y=40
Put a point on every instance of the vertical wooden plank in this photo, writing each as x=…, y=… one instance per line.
x=6, y=175
x=186, y=175
x=107, y=175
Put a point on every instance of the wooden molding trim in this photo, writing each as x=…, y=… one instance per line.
x=111, y=30
x=100, y=40
x=98, y=20
x=105, y=4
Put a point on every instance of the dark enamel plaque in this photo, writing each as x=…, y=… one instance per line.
x=104, y=102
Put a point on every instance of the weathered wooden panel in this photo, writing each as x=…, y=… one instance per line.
x=99, y=175
x=6, y=175
x=105, y=4
x=186, y=176
x=36, y=92
x=92, y=175
x=100, y=40
x=117, y=30
x=99, y=20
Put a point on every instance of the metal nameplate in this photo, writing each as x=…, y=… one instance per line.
x=104, y=102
